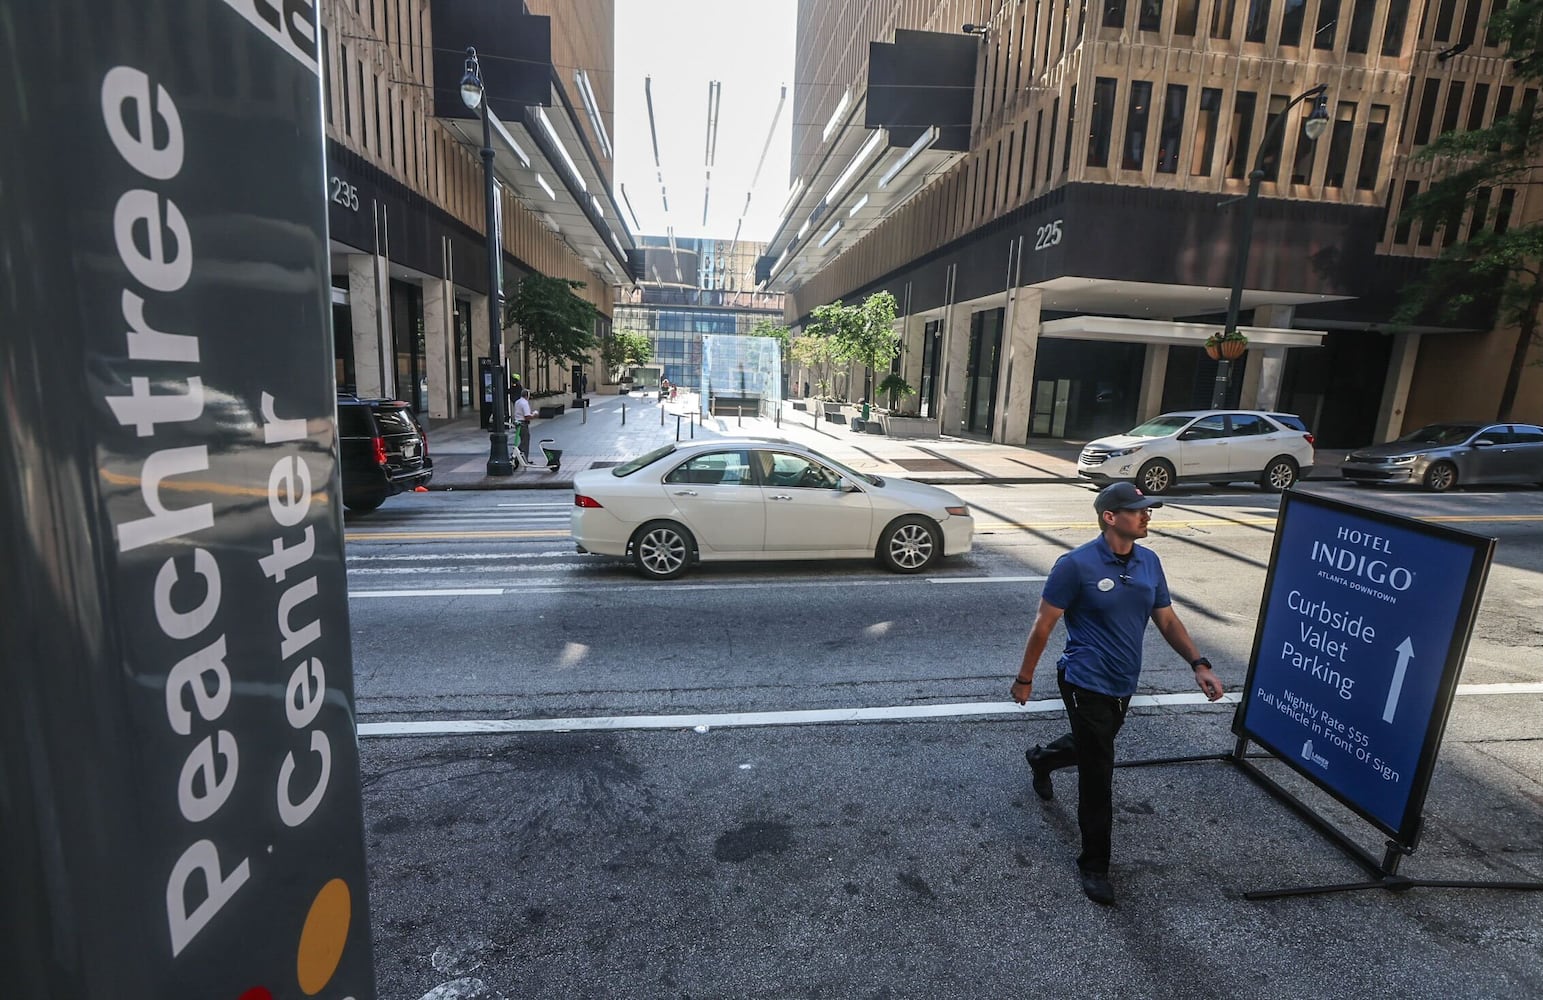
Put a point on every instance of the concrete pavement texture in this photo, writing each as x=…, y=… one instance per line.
x=613, y=429
x=913, y=860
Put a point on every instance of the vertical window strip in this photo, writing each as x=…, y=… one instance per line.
x=1328, y=24
x=1339, y=145
x=1402, y=227
x=1393, y=33
x=1172, y=134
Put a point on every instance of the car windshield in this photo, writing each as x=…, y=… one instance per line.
x=1440, y=434
x=849, y=473
x=628, y=468
x=1160, y=426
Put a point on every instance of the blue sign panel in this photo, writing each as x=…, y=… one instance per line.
x=1360, y=638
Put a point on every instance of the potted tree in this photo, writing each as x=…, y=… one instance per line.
x=1229, y=346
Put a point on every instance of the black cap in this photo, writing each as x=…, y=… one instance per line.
x=1123, y=496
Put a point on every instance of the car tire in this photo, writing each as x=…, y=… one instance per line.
x=662, y=550
x=910, y=544
x=1155, y=478
x=1440, y=477
x=1279, y=475
x=363, y=506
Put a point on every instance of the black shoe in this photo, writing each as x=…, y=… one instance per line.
x=1095, y=886
x=1041, y=780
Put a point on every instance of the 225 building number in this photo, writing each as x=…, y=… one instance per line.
x=1048, y=235
x=345, y=194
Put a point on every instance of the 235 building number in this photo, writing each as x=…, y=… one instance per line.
x=1048, y=235
x=345, y=194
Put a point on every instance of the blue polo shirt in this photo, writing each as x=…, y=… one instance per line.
x=1107, y=608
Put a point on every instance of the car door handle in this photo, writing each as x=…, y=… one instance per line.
x=779, y=496
x=685, y=493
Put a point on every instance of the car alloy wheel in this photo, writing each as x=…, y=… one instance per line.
x=1155, y=477
x=909, y=545
x=1441, y=477
x=661, y=551
x=1280, y=476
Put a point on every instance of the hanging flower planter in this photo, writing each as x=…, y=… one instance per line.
x=1229, y=346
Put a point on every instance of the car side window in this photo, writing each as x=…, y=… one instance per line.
x=1498, y=433
x=715, y=468
x=354, y=421
x=798, y=472
x=1207, y=427
x=1248, y=425
x=1526, y=434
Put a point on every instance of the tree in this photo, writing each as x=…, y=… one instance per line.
x=1499, y=257
x=764, y=327
x=627, y=348
x=864, y=333
x=811, y=351
x=553, y=321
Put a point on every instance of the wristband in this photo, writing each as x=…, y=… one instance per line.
x=1199, y=662
x=1020, y=680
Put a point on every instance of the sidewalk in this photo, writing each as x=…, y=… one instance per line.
x=616, y=428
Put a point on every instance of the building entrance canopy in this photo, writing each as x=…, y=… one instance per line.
x=1149, y=331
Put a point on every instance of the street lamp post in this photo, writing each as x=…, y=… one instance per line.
x=1312, y=128
x=473, y=93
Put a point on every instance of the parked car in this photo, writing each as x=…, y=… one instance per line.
x=1211, y=446
x=382, y=450
x=1441, y=456
x=757, y=499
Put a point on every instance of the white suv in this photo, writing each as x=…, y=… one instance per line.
x=1211, y=446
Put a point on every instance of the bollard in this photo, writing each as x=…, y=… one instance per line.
x=739, y=416
x=779, y=416
x=661, y=413
x=691, y=426
x=677, y=426
x=585, y=418
x=624, y=414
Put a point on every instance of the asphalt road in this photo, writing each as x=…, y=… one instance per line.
x=898, y=853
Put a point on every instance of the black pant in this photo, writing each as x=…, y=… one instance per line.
x=1095, y=719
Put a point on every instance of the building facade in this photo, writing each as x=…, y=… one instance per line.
x=405, y=181
x=690, y=288
x=1062, y=246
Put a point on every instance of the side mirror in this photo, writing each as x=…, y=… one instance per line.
x=1484, y=443
x=1186, y=435
x=847, y=486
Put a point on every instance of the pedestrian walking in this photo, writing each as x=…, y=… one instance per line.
x=522, y=417
x=1107, y=590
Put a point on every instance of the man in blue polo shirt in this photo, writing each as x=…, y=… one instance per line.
x=1107, y=590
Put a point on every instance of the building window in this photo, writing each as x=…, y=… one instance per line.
x=1401, y=229
x=1242, y=132
x=1114, y=13
x=1371, y=149
x=1221, y=19
x=1136, y=117
x=1476, y=106
x=1339, y=145
x=1291, y=22
x=1186, y=13
x=1055, y=117
x=1101, y=121
x=1024, y=154
x=1480, y=212
x=1426, y=116
x=1359, y=37
x=1258, y=20
x=1149, y=15
x=1306, y=157
x=1490, y=38
x=1207, y=125
x=1393, y=34
x=1444, y=13
x=1454, y=109
x=1173, y=129
x=348, y=113
x=1328, y=20
x=1269, y=153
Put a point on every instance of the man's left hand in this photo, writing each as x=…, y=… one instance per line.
x=1210, y=684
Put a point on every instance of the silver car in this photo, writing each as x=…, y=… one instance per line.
x=1441, y=456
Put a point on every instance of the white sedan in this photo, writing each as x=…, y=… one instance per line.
x=754, y=499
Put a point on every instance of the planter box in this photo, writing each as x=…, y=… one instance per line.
x=548, y=411
x=910, y=427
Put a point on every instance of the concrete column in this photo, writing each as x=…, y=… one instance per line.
x=1015, y=383
x=955, y=395
x=913, y=345
x=438, y=354
x=1395, y=388
x=1154, y=375
x=479, y=329
x=370, y=309
x=1266, y=367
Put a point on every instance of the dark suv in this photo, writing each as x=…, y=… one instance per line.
x=381, y=449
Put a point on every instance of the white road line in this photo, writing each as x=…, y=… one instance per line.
x=986, y=579
x=462, y=727
x=468, y=592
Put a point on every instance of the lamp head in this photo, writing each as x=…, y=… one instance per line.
x=1318, y=121
x=471, y=81
x=974, y=29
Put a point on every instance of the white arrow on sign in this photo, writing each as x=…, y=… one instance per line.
x=1405, y=654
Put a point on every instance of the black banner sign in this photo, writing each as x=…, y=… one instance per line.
x=179, y=782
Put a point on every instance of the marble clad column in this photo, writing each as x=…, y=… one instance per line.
x=913, y=334
x=956, y=354
x=438, y=327
x=1154, y=374
x=370, y=312
x=1395, y=388
x=1266, y=367
x=1015, y=384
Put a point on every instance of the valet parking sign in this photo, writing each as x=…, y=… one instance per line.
x=1365, y=620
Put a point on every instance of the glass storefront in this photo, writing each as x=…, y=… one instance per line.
x=412, y=381
x=1084, y=389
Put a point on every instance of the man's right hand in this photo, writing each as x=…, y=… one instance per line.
x=1021, y=690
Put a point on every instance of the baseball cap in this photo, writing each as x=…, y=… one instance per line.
x=1123, y=496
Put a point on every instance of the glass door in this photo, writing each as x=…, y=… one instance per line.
x=932, y=349
x=981, y=375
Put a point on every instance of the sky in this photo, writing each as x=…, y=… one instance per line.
x=683, y=45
